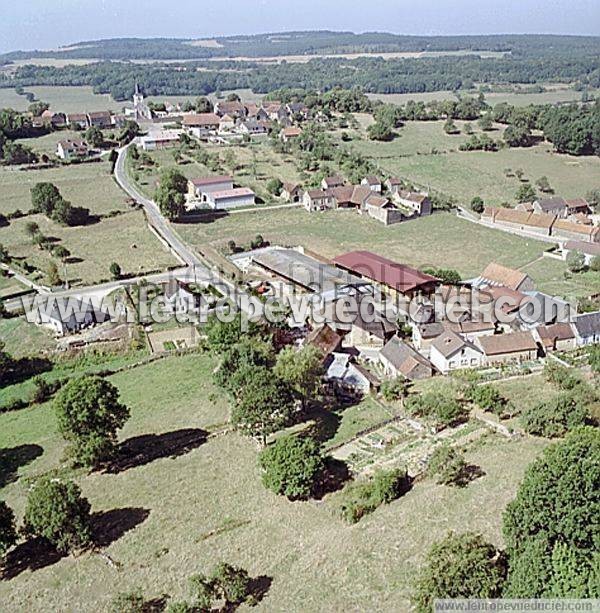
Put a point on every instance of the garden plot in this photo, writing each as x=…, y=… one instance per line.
x=404, y=442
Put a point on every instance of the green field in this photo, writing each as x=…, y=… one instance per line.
x=11, y=100
x=123, y=238
x=47, y=143
x=74, y=99
x=424, y=153
x=201, y=506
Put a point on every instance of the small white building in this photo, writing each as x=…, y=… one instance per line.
x=231, y=198
x=199, y=189
x=587, y=328
x=68, y=315
x=161, y=139
x=179, y=298
x=71, y=149
x=449, y=351
x=373, y=183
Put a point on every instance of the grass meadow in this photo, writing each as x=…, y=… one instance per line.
x=122, y=237
x=185, y=510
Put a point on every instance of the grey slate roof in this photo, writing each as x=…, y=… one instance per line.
x=588, y=324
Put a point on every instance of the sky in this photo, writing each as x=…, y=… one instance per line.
x=44, y=24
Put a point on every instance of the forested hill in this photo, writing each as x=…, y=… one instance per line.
x=311, y=43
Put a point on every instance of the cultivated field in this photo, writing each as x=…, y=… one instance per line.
x=74, y=99
x=424, y=153
x=122, y=237
x=205, y=503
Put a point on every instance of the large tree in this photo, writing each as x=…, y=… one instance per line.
x=89, y=414
x=551, y=529
x=170, y=195
x=58, y=512
x=292, y=466
x=302, y=370
x=264, y=405
x=460, y=566
x=44, y=197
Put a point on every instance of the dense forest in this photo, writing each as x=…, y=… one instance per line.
x=371, y=74
x=307, y=43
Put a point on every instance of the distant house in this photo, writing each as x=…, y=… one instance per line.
x=587, y=328
x=99, y=119
x=226, y=124
x=344, y=373
x=450, y=351
x=551, y=206
x=373, y=183
x=234, y=108
x=161, y=139
x=77, y=120
x=332, y=182
x=589, y=250
x=569, y=230
x=371, y=333
x=252, y=127
x=179, y=298
x=56, y=120
x=399, y=358
x=289, y=133
x=578, y=206
x=199, y=189
x=317, y=200
x=292, y=192
x=383, y=210
x=511, y=347
x=201, y=125
x=325, y=339
x=296, y=109
x=69, y=315
x=393, y=185
x=497, y=275
x=417, y=202
x=556, y=337
x=424, y=334
x=71, y=149
x=231, y=198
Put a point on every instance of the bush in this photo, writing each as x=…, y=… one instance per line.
x=441, y=408
x=292, y=466
x=555, y=417
x=395, y=389
x=57, y=512
x=448, y=465
x=128, y=602
x=488, y=398
x=460, y=566
x=575, y=261
x=8, y=532
x=363, y=497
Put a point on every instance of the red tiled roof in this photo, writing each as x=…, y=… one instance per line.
x=212, y=180
x=201, y=119
x=372, y=266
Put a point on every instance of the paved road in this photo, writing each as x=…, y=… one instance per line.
x=201, y=270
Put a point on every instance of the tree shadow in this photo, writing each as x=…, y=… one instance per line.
x=156, y=605
x=72, y=259
x=34, y=554
x=25, y=368
x=141, y=450
x=469, y=473
x=335, y=476
x=110, y=526
x=259, y=587
x=12, y=458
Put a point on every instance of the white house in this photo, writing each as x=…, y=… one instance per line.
x=231, y=198
x=449, y=351
x=71, y=149
x=201, y=125
x=180, y=299
x=68, y=315
x=373, y=183
x=200, y=188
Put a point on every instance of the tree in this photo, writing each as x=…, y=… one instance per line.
x=575, y=261
x=594, y=358
x=555, y=417
x=448, y=465
x=517, y=136
x=4, y=255
x=115, y=271
x=265, y=406
x=228, y=583
x=525, y=193
x=38, y=107
x=94, y=137
x=128, y=602
x=61, y=252
x=8, y=365
x=488, y=398
x=292, y=466
x=8, y=532
x=301, y=370
x=544, y=186
x=395, y=389
x=274, y=186
x=486, y=122
x=552, y=523
x=170, y=195
x=89, y=414
x=128, y=132
x=44, y=196
x=239, y=361
x=203, y=105
x=595, y=263
x=477, y=204
x=222, y=335
x=460, y=566
x=450, y=127
x=379, y=131
x=52, y=275
x=58, y=512
x=31, y=228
